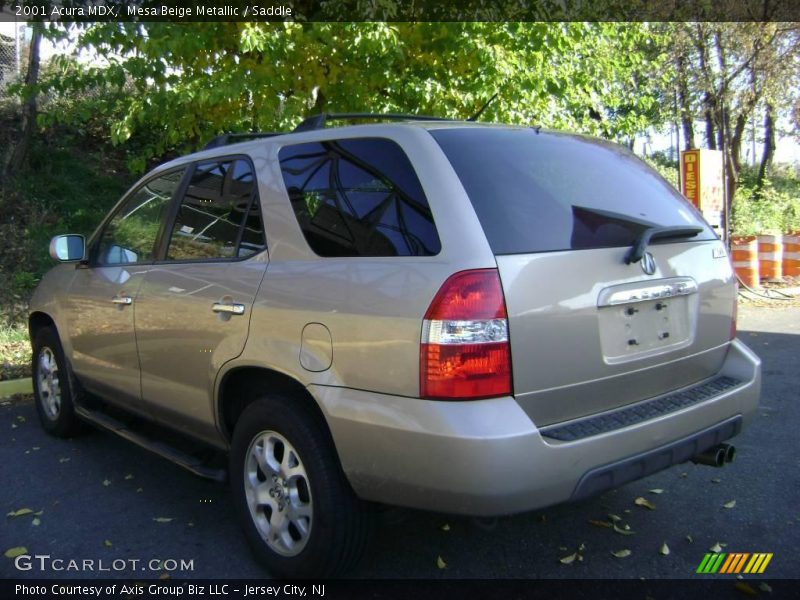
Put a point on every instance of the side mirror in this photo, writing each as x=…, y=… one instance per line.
x=65, y=248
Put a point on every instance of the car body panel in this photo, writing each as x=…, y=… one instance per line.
x=182, y=343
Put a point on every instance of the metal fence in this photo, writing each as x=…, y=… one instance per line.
x=14, y=47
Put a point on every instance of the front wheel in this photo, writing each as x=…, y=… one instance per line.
x=52, y=386
x=299, y=514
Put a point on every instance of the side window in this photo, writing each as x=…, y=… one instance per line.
x=358, y=197
x=131, y=234
x=219, y=216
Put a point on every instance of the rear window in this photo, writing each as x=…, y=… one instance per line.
x=358, y=197
x=544, y=192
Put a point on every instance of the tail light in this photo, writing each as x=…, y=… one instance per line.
x=464, y=350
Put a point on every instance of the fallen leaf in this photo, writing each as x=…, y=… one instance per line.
x=20, y=418
x=656, y=491
x=191, y=524
x=615, y=518
x=15, y=552
x=622, y=553
x=106, y=482
x=440, y=563
x=13, y=426
x=716, y=480
x=689, y=539
x=36, y=521
x=684, y=475
x=745, y=588
x=716, y=548
x=640, y=501
x=730, y=504
x=36, y=448
x=139, y=490
x=664, y=549
x=764, y=587
x=128, y=477
x=107, y=543
x=581, y=548
x=567, y=560
x=627, y=511
x=63, y=459
x=597, y=523
x=162, y=519
x=626, y=531
x=445, y=527
x=20, y=513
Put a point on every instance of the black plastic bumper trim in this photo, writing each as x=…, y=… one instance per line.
x=635, y=467
x=640, y=412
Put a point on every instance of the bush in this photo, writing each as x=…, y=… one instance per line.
x=775, y=208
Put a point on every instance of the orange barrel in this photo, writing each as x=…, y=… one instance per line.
x=744, y=251
x=770, y=256
x=791, y=255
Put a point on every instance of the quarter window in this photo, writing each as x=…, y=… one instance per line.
x=219, y=215
x=131, y=234
x=358, y=197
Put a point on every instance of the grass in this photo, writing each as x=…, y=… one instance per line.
x=69, y=185
x=15, y=352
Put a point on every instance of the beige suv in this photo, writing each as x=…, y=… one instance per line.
x=477, y=319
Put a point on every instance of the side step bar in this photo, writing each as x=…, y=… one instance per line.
x=187, y=461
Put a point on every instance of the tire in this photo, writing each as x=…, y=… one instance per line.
x=53, y=386
x=299, y=513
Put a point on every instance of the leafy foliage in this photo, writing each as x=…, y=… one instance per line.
x=182, y=84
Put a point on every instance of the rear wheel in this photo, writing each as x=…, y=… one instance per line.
x=52, y=386
x=299, y=514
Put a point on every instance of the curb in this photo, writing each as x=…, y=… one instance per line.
x=16, y=386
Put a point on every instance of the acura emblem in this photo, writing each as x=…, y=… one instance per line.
x=648, y=263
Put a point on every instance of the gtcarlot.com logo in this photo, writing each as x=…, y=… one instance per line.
x=45, y=562
x=734, y=562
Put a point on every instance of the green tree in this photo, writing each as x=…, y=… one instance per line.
x=184, y=83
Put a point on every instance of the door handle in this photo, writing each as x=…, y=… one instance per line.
x=122, y=300
x=231, y=309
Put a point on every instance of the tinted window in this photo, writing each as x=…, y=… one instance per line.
x=549, y=191
x=131, y=234
x=358, y=197
x=219, y=216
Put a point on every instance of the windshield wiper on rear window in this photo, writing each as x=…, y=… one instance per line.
x=641, y=242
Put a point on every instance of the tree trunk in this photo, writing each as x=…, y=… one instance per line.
x=684, y=106
x=769, y=145
x=20, y=153
x=736, y=142
x=711, y=136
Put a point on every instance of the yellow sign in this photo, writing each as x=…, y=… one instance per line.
x=702, y=183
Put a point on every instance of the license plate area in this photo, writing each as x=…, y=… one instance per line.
x=638, y=322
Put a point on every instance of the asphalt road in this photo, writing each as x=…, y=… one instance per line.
x=103, y=498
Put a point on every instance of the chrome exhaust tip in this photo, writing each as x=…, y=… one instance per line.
x=713, y=457
x=730, y=452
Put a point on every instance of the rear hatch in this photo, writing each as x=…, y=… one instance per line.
x=593, y=324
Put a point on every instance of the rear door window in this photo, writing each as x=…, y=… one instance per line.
x=358, y=197
x=544, y=192
x=219, y=214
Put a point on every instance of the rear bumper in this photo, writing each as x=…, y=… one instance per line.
x=488, y=458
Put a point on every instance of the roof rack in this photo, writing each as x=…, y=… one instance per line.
x=318, y=121
x=228, y=138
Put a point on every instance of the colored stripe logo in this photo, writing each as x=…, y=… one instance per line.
x=734, y=562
